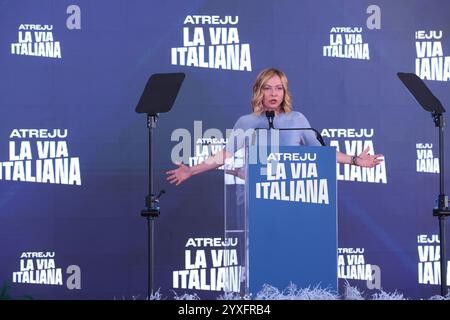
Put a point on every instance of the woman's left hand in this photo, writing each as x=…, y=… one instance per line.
x=369, y=161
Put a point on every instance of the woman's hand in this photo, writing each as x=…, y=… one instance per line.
x=369, y=161
x=179, y=175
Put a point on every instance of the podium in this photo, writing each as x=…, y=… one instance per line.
x=281, y=218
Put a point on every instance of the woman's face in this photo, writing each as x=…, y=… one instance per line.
x=273, y=94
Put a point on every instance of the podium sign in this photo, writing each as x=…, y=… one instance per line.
x=285, y=219
x=292, y=219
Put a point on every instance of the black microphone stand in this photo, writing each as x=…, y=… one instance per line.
x=318, y=135
x=271, y=114
x=152, y=208
x=442, y=211
x=159, y=96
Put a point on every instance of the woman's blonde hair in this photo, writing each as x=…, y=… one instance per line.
x=258, y=94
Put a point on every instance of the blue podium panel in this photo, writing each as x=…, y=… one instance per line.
x=292, y=229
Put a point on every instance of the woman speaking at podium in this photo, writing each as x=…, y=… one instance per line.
x=271, y=101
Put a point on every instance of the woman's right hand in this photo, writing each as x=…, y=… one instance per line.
x=179, y=175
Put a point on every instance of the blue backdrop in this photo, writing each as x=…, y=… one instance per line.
x=70, y=224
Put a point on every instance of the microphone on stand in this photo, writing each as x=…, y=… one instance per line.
x=318, y=135
x=270, y=115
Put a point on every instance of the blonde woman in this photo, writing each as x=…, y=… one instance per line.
x=270, y=93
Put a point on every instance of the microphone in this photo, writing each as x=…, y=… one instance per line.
x=318, y=136
x=270, y=115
